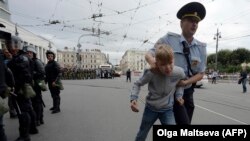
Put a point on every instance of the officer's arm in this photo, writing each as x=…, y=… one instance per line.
x=150, y=59
x=194, y=78
x=9, y=77
x=40, y=68
x=58, y=71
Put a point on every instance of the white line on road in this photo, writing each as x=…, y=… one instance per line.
x=221, y=114
x=210, y=111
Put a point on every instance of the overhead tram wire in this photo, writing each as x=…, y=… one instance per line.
x=28, y=16
x=131, y=19
x=138, y=7
x=53, y=14
x=129, y=10
x=236, y=16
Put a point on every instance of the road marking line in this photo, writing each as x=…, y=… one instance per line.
x=221, y=115
x=211, y=112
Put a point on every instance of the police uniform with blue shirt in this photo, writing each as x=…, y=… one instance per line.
x=196, y=56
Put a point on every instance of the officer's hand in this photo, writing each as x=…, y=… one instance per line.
x=53, y=84
x=180, y=101
x=12, y=89
x=182, y=83
x=134, y=106
x=152, y=63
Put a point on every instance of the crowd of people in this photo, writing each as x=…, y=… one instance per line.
x=23, y=78
x=83, y=74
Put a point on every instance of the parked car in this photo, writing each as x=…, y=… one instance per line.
x=117, y=74
x=202, y=82
x=199, y=84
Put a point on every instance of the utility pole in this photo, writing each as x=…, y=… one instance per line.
x=216, y=37
x=78, y=53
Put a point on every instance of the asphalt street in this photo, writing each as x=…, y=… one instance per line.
x=99, y=110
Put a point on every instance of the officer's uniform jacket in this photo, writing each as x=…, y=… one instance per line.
x=20, y=66
x=197, y=52
x=52, y=71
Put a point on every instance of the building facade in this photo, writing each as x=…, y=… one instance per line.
x=4, y=10
x=133, y=60
x=41, y=44
x=88, y=59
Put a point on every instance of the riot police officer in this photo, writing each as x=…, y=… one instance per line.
x=53, y=74
x=3, y=88
x=20, y=66
x=38, y=76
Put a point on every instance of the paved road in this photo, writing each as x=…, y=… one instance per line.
x=98, y=110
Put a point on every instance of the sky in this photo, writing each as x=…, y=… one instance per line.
x=129, y=24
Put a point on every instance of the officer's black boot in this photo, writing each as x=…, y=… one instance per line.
x=24, y=127
x=54, y=102
x=33, y=129
x=57, y=106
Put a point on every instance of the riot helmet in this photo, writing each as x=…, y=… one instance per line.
x=50, y=52
x=30, y=48
x=16, y=42
x=15, y=45
x=30, y=51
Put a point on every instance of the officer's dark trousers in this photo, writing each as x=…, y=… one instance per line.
x=55, y=94
x=26, y=116
x=37, y=104
x=129, y=78
x=2, y=132
x=11, y=106
x=183, y=114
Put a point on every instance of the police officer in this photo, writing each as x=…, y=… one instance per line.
x=128, y=74
x=7, y=58
x=38, y=76
x=185, y=48
x=21, y=69
x=53, y=74
x=3, y=88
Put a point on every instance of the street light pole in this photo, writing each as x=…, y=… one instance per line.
x=216, y=37
x=78, y=54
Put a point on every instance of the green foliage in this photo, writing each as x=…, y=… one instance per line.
x=229, y=61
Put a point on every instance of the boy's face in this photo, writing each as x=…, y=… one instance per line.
x=165, y=68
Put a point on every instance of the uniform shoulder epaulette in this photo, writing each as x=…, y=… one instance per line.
x=202, y=44
x=173, y=34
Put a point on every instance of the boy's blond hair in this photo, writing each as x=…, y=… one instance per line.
x=164, y=53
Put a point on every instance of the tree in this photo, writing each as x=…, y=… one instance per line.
x=239, y=56
x=229, y=61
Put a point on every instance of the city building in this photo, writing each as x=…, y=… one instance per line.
x=89, y=58
x=133, y=60
x=41, y=44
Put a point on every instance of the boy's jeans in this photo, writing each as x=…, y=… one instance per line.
x=149, y=118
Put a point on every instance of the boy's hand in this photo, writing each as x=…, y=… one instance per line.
x=134, y=106
x=180, y=101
